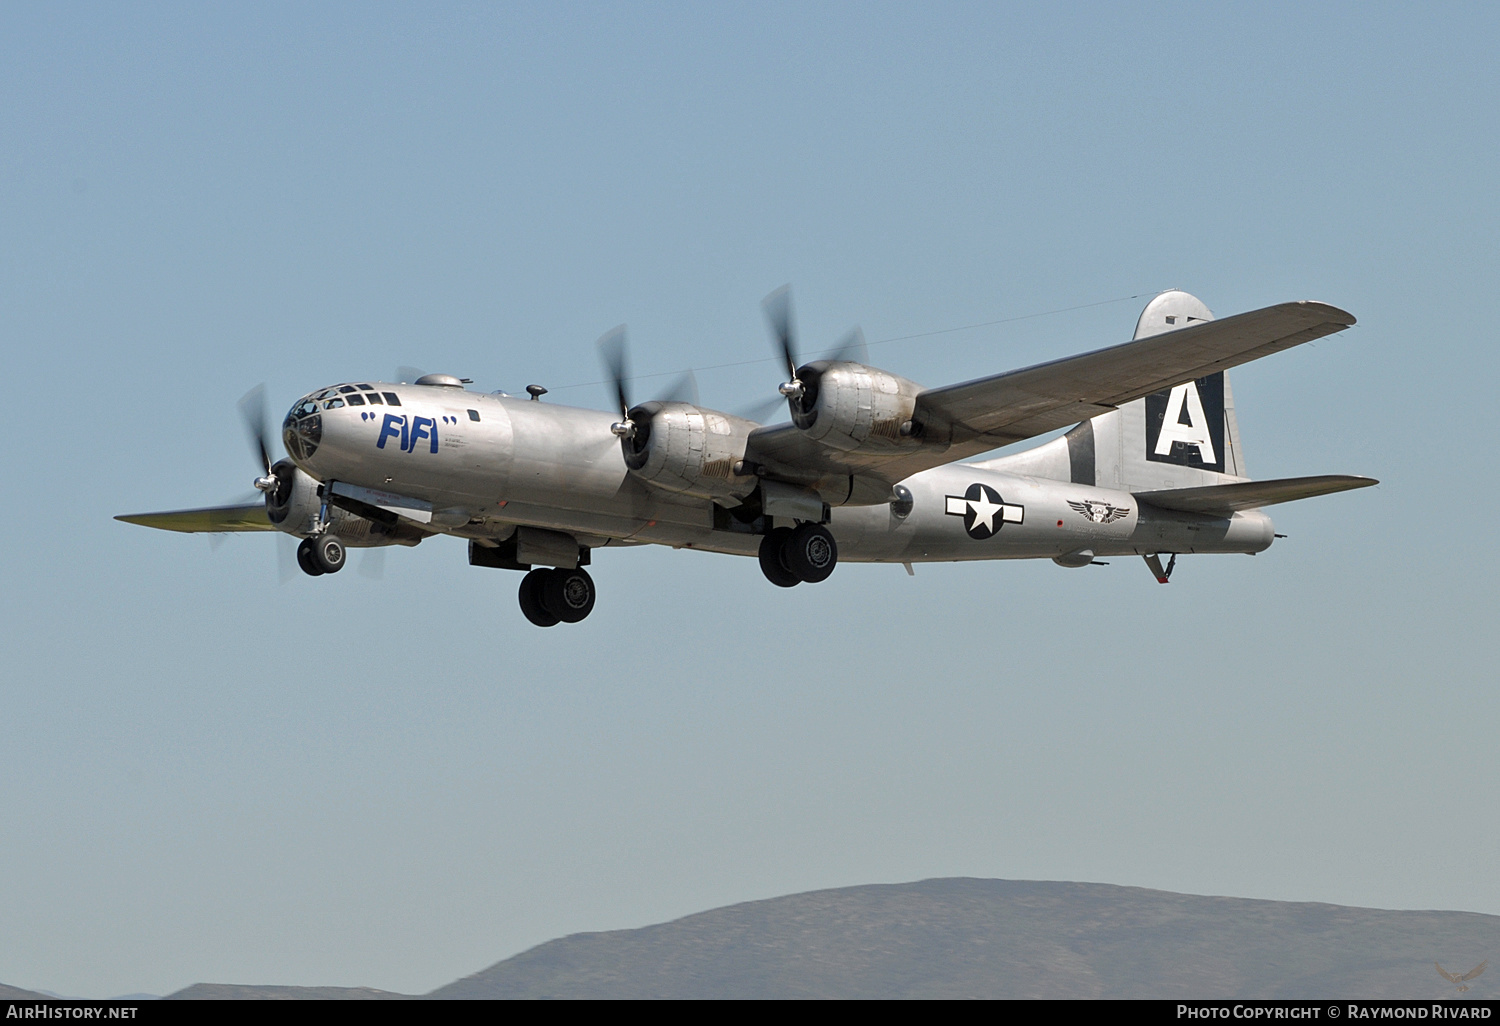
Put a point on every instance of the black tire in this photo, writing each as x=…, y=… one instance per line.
x=568, y=594
x=811, y=553
x=329, y=553
x=773, y=558
x=531, y=599
x=306, y=560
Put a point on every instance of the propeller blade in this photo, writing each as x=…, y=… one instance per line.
x=852, y=348
x=683, y=390
x=612, y=352
x=372, y=563
x=286, y=558
x=253, y=409
x=408, y=375
x=763, y=411
x=778, y=310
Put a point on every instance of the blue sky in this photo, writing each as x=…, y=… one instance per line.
x=207, y=775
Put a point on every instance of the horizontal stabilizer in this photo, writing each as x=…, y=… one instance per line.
x=212, y=520
x=1251, y=494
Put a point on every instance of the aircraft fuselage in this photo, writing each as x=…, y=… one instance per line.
x=484, y=464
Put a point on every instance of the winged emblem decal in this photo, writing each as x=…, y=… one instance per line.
x=1461, y=981
x=1099, y=512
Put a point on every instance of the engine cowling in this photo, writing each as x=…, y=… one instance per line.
x=850, y=406
x=293, y=504
x=684, y=448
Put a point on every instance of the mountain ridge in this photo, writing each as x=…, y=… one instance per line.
x=970, y=937
x=984, y=938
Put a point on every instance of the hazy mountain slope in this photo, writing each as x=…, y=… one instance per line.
x=17, y=994
x=246, y=992
x=1000, y=938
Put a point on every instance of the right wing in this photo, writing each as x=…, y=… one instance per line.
x=1026, y=403
x=958, y=421
x=211, y=520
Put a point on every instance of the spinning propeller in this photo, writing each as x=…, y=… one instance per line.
x=799, y=389
x=252, y=406
x=253, y=409
x=801, y=386
x=778, y=309
x=612, y=351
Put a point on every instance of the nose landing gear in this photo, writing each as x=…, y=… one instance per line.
x=550, y=597
x=789, y=556
x=322, y=552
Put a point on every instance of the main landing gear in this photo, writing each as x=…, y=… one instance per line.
x=550, y=597
x=791, y=555
x=321, y=554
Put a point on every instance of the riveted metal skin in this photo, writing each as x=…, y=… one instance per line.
x=849, y=406
x=686, y=449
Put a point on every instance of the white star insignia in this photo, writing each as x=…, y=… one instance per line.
x=986, y=511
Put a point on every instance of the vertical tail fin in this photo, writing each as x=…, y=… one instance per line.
x=1183, y=437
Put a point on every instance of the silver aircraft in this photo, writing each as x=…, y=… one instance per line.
x=865, y=472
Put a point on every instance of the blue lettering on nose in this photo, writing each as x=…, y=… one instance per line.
x=393, y=427
x=423, y=427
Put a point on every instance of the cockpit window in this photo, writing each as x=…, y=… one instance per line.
x=473, y=414
x=302, y=431
x=346, y=389
x=308, y=407
x=375, y=399
x=333, y=404
x=392, y=399
x=326, y=393
x=355, y=399
x=367, y=388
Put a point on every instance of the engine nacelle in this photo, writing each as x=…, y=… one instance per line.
x=684, y=448
x=850, y=406
x=294, y=503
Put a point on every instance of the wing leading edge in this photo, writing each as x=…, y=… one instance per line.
x=966, y=419
x=210, y=520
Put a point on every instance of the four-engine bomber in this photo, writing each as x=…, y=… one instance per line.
x=866, y=470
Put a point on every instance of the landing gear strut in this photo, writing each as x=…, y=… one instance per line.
x=321, y=554
x=550, y=597
x=789, y=556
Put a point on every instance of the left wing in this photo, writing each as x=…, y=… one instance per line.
x=964, y=420
x=211, y=520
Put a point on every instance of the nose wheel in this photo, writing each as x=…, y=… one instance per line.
x=550, y=597
x=789, y=556
x=321, y=554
